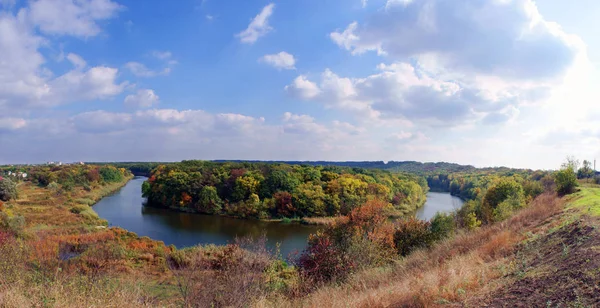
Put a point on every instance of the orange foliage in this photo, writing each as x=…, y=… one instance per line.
x=185, y=199
x=368, y=216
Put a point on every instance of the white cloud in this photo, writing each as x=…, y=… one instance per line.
x=96, y=83
x=502, y=38
x=402, y=91
x=25, y=81
x=76, y=60
x=259, y=26
x=140, y=70
x=162, y=55
x=282, y=60
x=303, y=88
x=11, y=124
x=143, y=98
x=71, y=17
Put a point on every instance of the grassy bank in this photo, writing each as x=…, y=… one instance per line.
x=547, y=254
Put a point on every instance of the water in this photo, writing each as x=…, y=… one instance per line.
x=438, y=202
x=124, y=209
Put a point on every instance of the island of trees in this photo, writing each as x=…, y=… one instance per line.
x=277, y=190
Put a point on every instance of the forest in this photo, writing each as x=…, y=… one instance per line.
x=277, y=190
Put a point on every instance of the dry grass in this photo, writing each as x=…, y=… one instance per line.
x=323, y=221
x=448, y=273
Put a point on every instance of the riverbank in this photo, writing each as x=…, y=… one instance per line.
x=546, y=254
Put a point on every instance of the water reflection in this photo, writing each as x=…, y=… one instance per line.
x=438, y=202
x=124, y=209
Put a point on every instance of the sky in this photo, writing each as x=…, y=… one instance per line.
x=486, y=83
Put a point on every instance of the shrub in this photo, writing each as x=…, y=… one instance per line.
x=8, y=190
x=53, y=186
x=499, y=192
x=322, y=261
x=505, y=209
x=412, y=234
x=12, y=224
x=566, y=181
x=78, y=208
x=597, y=179
x=532, y=189
x=85, y=201
x=442, y=225
x=548, y=183
x=471, y=222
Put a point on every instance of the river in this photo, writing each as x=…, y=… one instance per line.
x=438, y=202
x=124, y=209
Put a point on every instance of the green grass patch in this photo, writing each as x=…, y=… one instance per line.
x=587, y=200
x=86, y=201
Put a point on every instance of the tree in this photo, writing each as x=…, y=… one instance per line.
x=504, y=189
x=8, y=190
x=566, y=180
x=209, y=202
x=586, y=171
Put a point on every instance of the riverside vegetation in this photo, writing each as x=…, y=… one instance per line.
x=496, y=250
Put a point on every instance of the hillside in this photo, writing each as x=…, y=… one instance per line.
x=548, y=255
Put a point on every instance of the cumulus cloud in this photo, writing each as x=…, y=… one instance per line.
x=25, y=81
x=143, y=98
x=258, y=27
x=282, y=60
x=71, y=17
x=504, y=38
x=403, y=91
x=303, y=88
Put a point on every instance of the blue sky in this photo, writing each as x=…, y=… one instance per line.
x=490, y=83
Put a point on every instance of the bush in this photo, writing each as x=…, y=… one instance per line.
x=13, y=224
x=323, y=262
x=471, y=222
x=533, y=189
x=85, y=201
x=412, y=234
x=78, y=208
x=499, y=192
x=8, y=190
x=566, y=181
x=442, y=225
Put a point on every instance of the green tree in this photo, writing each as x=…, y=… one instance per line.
x=309, y=199
x=586, y=171
x=8, y=190
x=110, y=174
x=210, y=202
x=565, y=180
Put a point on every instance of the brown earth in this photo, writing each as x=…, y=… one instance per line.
x=560, y=269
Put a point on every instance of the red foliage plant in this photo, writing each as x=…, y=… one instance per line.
x=283, y=204
x=322, y=261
